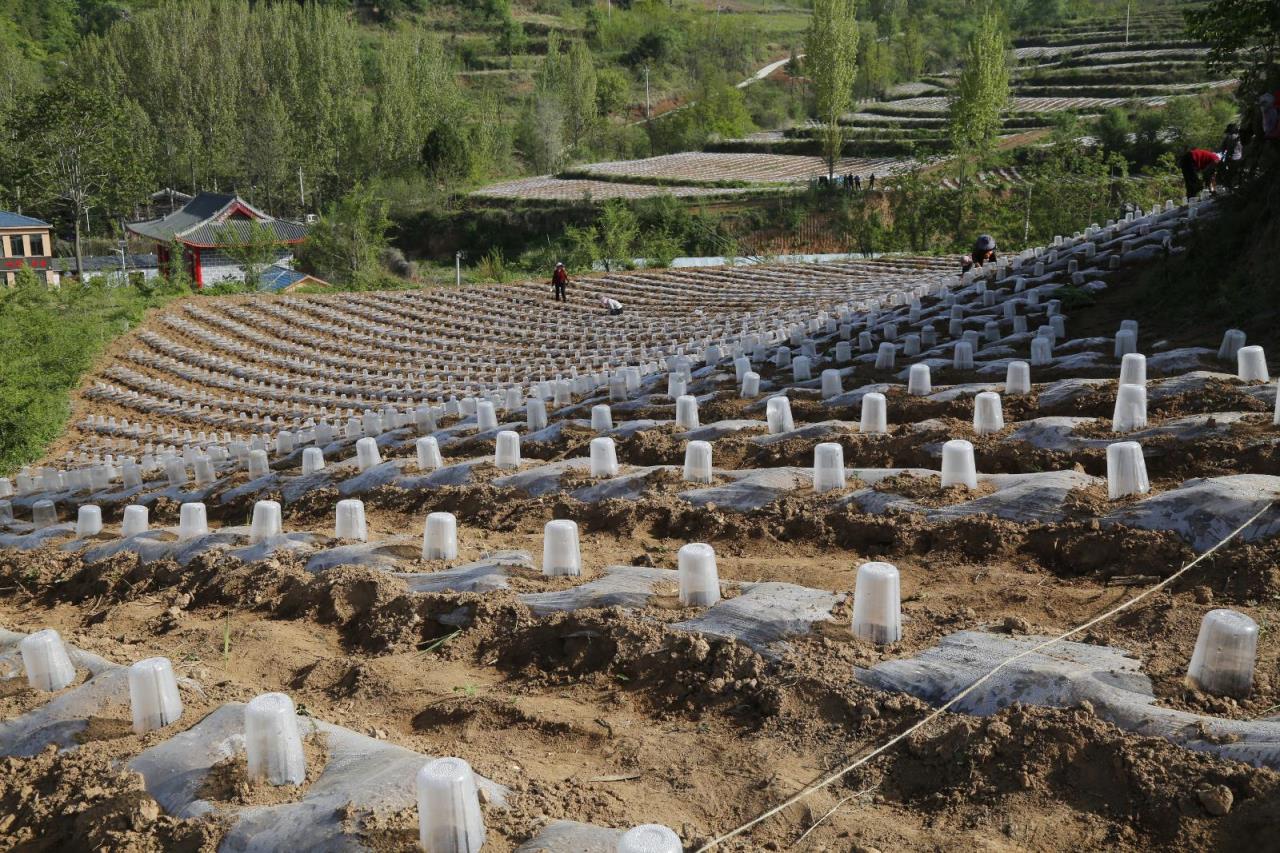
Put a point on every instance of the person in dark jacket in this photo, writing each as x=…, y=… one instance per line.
x=1232, y=152
x=984, y=252
x=560, y=281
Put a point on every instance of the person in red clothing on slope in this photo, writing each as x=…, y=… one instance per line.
x=1198, y=163
x=560, y=281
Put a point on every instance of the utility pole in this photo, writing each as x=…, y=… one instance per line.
x=646, y=93
x=302, y=192
x=1128, y=7
x=457, y=267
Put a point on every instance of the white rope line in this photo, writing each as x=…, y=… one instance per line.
x=965, y=692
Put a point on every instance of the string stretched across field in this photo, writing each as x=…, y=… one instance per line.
x=950, y=703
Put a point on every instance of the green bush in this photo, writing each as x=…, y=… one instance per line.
x=48, y=339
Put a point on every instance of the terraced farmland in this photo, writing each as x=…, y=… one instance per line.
x=808, y=424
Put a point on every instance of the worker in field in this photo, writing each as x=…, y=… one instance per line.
x=560, y=281
x=1232, y=152
x=983, y=253
x=613, y=306
x=1269, y=107
x=1199, y=164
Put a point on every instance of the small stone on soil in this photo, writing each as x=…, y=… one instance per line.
x=1216, y=799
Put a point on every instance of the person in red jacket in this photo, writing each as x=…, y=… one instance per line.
x=560, y=280
x=1198, y=163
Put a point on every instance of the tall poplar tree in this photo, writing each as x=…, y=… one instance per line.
x=831, y=60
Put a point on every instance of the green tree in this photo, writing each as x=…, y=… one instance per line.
x=983, y=88
x=831, y=53
x=511, y=38
x=582, y=247
x=911, y=51
x=618, y=229
x=81, y=149
x=253, y=247
x=579, y=93
x=344, y=245
x=1243, y=36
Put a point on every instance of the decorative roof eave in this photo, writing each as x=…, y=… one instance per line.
x=192, y=244
x=195, y=223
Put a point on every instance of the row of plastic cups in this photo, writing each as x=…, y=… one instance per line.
x=154, y=699
x=1222, y=662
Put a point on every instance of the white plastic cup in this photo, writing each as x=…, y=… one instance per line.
x=486, y=417
x=801, y=369
x=506, y=450
x=367, y=454
x=154, y=700
x=617, y=388
x=131, y=475
x=424, y=418
x=429, y=458
x=266, y=521
x=1017, y=379
x=911, y=345
x=1251, y=364
x=687, y=412
x=885, y=355
x=449, y=819
x=312, y=460
x=697, y=574
x=1275, y=416
x=831, y=386
x=258, y=465
x=205, y=475
x=750, y=385
x=1232, y=341
x=650, y=838
x=962, y=359
x=958, y=465
x=349, y=521
x=777, y=413
x=175, y=471
x=134, y=521
x=697, y=462
x=1126, y=343
x=88, y=521
x=535, y=414
x=601, y=418
x=284, y=442
x=1225, y=652
x=272, y=744
x=193, y=521
x=988, y=415
x=560, y=552
x=877, y=604
x=1133, y=369
x=875, y=414
x=1131, y=409
x=1126, y=470
x=844, y=352
x=828, y=467
x=1041, y=351
x=919, y=381
x=6, y=487
x=864, y=342
x=562, y=393
x=44, y=657
x=440, y=537
x=604, y=457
